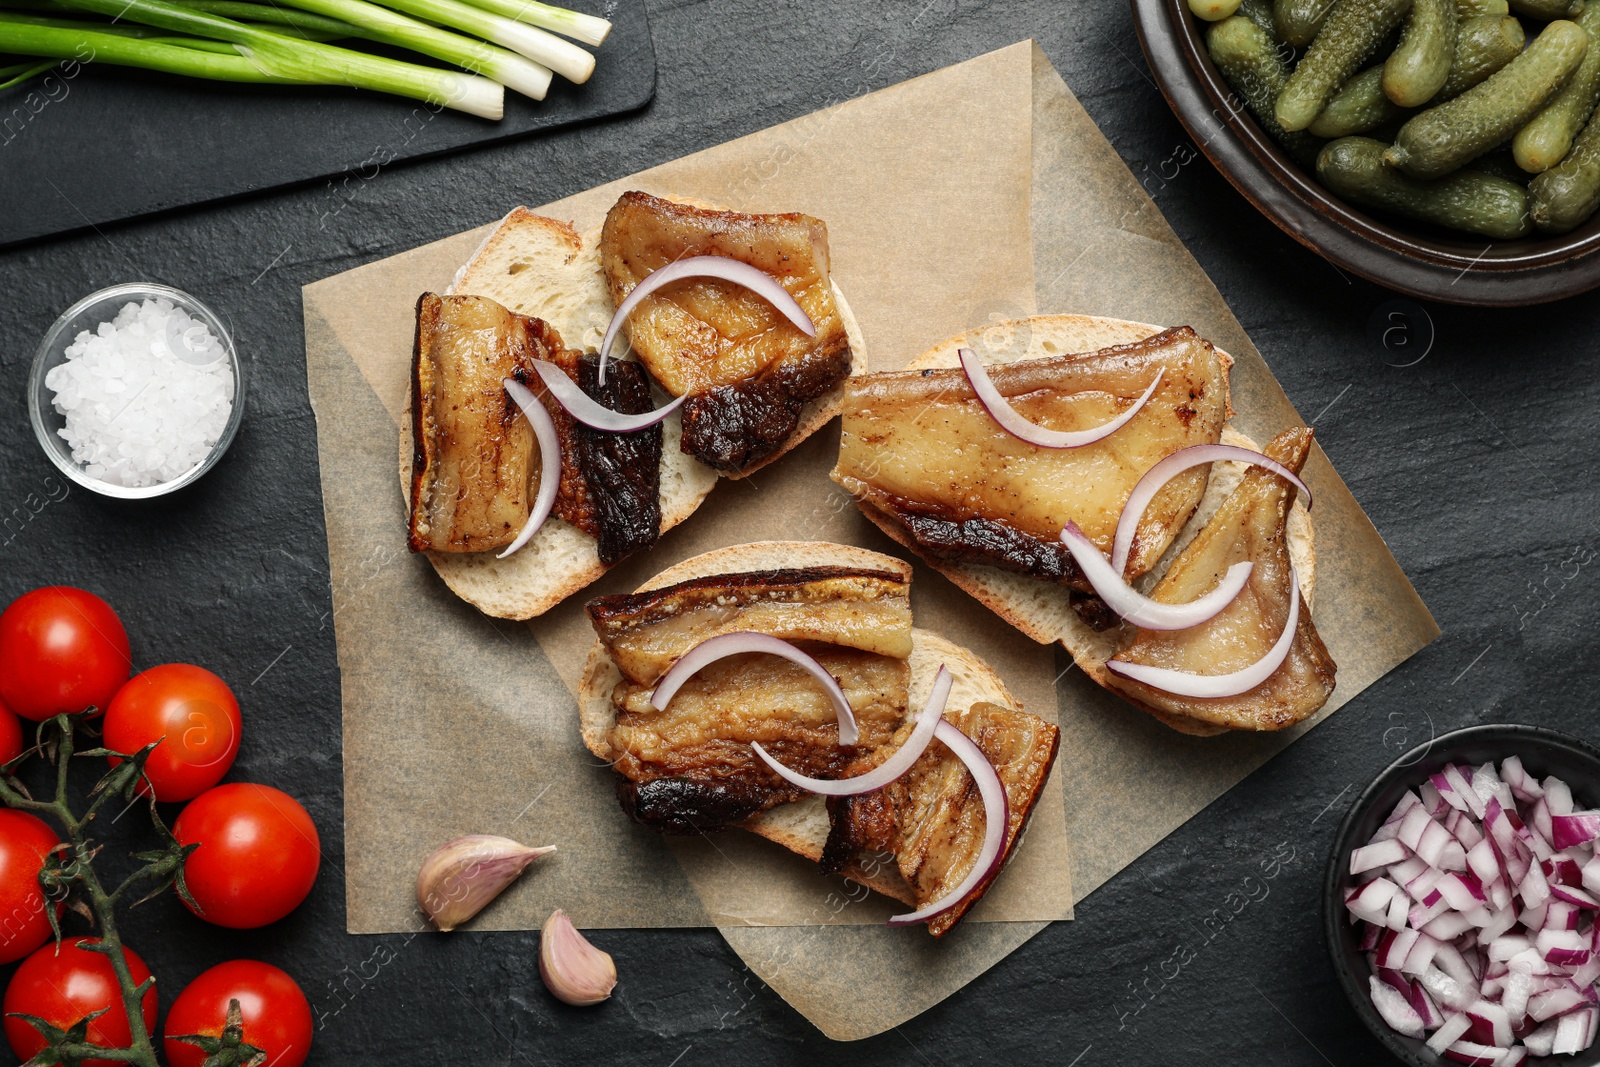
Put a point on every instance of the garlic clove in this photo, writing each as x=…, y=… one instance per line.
x=460, y=877
x=573, y=970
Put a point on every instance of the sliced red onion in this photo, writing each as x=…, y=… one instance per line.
x=738, y=643
x=890, y=769
x=1182, y=683
x=544, y=428
x=996, y=818
x=1012, y=421
x=1156, y=478
x=1578, y=828
x=759, y=282
x=1381, y=854
x=589, y=411
x=1396, y=1009
x=1448, y=1034
x=1139, y=609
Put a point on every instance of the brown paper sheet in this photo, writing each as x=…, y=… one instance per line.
x=934, y=191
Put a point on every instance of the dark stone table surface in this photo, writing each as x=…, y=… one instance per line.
x=1477, y=463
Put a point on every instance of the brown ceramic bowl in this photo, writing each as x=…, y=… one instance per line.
x=1428, y=263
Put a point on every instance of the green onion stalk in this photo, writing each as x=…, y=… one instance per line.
x=376, y=23
x=563, y=57
x=301, y=61
x=589, y=29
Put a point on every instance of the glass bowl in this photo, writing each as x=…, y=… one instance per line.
x=1544, y=752
x=87, y=314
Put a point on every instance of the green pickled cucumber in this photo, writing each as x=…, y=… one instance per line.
x=1359, y=105
x=1350, y=35
x=1442, y=138
x=1467, y=9
x=1260, y=13
x=1484, y=44
x=1564, y=197
x=1547, y=9
x=1299, y=20
x=1416, y=71
x=1468, y=200
x=1501, y=164
x=1548, y=136
x=1213, y=10
x=1248, y=58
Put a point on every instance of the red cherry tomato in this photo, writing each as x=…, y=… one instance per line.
x=61, y=650
x=258, y=855
x=11, y=743
x=24, y=843
x=191, y=712
x=276, y=1015
x=63, y=987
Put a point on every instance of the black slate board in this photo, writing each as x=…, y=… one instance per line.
x=109, y=143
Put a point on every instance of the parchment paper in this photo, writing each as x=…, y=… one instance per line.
x=942, y=196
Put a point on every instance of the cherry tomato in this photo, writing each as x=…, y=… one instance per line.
x=276, y=1015
x=24, y=843
x=258, y=854
x=195, y=713
x=63, y=987
x=61, y=650
x=11, y=743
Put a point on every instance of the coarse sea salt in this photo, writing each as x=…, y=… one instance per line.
x=146, y=396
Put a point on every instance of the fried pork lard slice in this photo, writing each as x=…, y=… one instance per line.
x=1251, y=525
x=920, y=449
x=748, y=371
x=932, y=819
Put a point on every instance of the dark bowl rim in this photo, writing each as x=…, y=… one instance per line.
x=1334, y=877
x=1492, y=274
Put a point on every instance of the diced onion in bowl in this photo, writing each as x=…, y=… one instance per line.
x=1476, y=904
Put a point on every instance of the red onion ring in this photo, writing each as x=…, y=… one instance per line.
x=729, y=270
x=996, y=819
x=887, y=771
x=591, y=412
x=1156, y=478
x=739, y=642
x=1184, y=684
x=1013, y=422
x=1139, y=609
x=544, y=428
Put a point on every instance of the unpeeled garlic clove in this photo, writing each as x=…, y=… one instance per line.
x=460, y=877
x=573, y=970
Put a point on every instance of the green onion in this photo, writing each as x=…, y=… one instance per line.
x=269, y=16
x=21, y=72
x=380, y=24
x=580, y=27
x=92, y=45
x=563, y=57
x=310, y=62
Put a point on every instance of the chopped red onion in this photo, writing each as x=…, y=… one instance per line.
x=581, y=406
x=1012, y=421
x=1497, y=949
x=544, y=429
x=1156, y=478
x=759, y=282
x=1182, y=683
x=1139, y=609
x=898, y=763
x=738, y=643
x=996, y=819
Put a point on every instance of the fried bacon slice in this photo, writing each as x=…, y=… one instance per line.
x=865, y=609
x=473, y=453
x=932, y=819
x=1251, y=525
x=919, y=448
x=748, y=371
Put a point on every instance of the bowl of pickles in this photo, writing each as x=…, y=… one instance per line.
x=1448, y=149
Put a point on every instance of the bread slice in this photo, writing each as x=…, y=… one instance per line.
x=1040, y=609
x=544, y=268
x=801, y=827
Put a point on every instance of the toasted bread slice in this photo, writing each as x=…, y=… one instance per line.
x=801, y=827
x=544, y=268
x=1040, y=609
